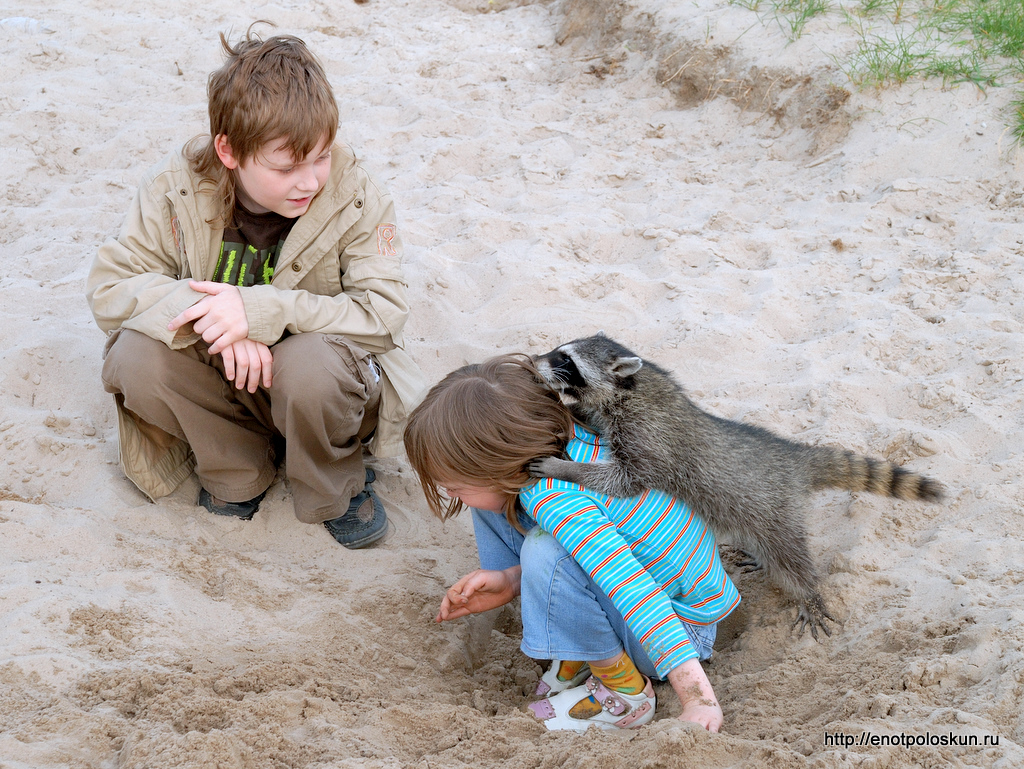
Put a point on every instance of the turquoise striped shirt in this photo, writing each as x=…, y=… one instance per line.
x=651, y=555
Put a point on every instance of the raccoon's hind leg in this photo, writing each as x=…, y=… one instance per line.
x=606, y=477
x=783, y=553
x=813, y=612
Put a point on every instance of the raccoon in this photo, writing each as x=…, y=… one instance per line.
x=748, y=484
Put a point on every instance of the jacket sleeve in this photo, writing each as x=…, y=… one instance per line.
x=137, y=280
x=369, y=307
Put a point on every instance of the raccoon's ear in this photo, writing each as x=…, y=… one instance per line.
x=626, y=366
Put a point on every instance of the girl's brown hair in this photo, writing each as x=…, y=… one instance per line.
x=266, y=90
x=482, y=425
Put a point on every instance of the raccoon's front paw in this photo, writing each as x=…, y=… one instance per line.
x=549, y=467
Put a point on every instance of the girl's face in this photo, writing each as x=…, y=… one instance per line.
x=475, y=496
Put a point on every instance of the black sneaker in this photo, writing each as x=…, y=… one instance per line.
x=244, y=510
x=365, y=520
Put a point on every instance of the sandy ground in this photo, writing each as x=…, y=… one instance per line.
x=843, y=267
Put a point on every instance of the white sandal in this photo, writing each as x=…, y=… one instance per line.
x=618, y=710
x=550, y=683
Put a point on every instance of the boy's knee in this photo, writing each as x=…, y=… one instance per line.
x=322, y=367
x=133, y=359
x=127, y=344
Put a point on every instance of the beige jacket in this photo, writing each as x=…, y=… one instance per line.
x=339, y=272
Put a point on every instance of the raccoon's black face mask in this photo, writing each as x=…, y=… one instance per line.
x=562, y=375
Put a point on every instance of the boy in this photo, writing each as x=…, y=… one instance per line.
x=255, y=300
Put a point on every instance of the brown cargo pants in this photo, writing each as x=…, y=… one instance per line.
x=322, y=402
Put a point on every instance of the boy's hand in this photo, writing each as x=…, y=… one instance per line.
x=479, y=591
x=246, y=363
x=219, y=316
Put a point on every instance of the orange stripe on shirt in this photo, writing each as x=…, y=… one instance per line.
x=670, y=652
x=654, y=526
x=626, y=582
x=606, y=561
x=544, y=500
x=639, y=504
x=568, y=518
x=710, y=598
x=595, y=533
x=696, y=549
x=640, y=604
x=671, y=545
x=697, y=581
x=657, y=627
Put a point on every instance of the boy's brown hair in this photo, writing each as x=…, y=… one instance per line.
x=482, y=425
x=266, y=90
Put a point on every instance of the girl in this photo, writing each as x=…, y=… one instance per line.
x=630, y=588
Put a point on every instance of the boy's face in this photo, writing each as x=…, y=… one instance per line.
x=274, y=180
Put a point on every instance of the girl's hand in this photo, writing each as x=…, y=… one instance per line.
x=479, y=591
x=219, y=316
x=246, y=363
x=700, y=705
x=708, y=716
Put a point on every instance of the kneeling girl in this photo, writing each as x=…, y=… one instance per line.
x=614, y=591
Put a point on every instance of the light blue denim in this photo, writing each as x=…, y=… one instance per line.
x=565, y=614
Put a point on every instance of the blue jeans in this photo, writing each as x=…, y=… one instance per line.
x=566, y=616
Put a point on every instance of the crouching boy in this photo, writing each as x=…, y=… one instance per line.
x=255, y=302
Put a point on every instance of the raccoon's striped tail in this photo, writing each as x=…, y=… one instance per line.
x=840, y=469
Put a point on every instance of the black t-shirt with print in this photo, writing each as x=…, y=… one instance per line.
x=251, y=244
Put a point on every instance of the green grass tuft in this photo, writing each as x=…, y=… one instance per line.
x=972, y=41
x=793, y=15
x=1017, y=119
